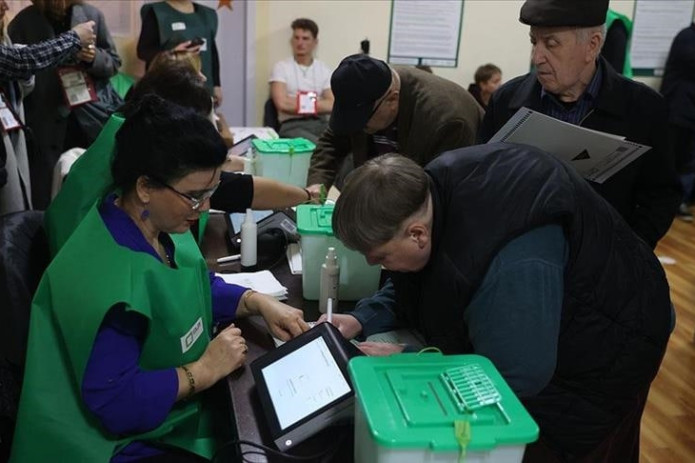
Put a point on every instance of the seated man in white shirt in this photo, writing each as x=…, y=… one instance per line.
x=300, y=86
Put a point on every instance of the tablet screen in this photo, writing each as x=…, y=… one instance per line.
x=240, y=148
x=303, y=381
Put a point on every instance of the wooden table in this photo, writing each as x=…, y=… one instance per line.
x=248, y=415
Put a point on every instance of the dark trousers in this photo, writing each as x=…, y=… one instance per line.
x=683, y=144
x=621, y=444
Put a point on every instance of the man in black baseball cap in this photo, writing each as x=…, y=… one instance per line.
x=379, y=109
x=571, y=82
x=360, y=82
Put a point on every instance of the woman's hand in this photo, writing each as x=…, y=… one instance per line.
x=224, y=354
x=380, y=349
x=233, y=164
x=85, y=31
x=186, y=46
x=348, y=325
x=217, y=96
x=284, y=322
x=87, y=55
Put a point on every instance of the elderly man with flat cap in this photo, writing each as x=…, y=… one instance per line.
x=572, y=83
x=379, y=109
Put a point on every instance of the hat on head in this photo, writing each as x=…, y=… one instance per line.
x=357, y=84
x=564, y=13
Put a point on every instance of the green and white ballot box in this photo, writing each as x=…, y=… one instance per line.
x=436, y=408
x=358, y=279
x=283, y=159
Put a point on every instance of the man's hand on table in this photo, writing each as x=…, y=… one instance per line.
x=348, y=325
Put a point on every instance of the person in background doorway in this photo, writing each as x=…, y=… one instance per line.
x=60, y=122
x=616, y=49
x=182, y=25
x=678, y=87
x=300, y=86
x=488, y=78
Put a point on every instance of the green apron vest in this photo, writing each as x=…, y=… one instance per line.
x=201, y=23
x=88, y=181
x=74, y=295
x=612, y=16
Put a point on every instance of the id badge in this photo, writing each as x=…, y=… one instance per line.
x=78, y=87
x=307, y=103
x=8, y=119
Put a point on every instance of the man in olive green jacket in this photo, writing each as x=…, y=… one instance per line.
x=380, y=109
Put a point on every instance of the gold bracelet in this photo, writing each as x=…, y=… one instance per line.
x=191, y=381
x=247, y=295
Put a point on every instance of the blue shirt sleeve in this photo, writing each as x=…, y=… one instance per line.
x=125, y=398
x=225, y=298
x=514, y=317
x=375, y=313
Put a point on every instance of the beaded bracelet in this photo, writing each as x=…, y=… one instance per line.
x=191, y=381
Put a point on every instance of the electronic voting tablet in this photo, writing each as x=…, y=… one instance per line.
x=303, y=385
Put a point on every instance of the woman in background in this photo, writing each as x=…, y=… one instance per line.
x=56, y=124
x=179, y=25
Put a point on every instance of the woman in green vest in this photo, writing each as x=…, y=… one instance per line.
x=182, y=25
x=121, y=358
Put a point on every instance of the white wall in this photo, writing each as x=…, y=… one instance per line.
x=491, y=33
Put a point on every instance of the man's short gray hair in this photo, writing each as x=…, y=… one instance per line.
x=584, y=34
x=376, y=200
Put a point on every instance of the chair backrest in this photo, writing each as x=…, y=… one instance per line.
x=270, y=115
x=62, y=168
x=23, y=258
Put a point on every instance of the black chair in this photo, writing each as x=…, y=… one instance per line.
x=270, y=115
x=24, y=256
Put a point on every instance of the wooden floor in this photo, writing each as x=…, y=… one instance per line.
x=668, y=424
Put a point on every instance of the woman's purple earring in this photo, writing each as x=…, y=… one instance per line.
x=145, y=214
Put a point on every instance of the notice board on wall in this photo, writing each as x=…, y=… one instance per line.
x=655, y=24
x=425, y=32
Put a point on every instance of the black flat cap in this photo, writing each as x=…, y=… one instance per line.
x=357, y=83
x=564, y=13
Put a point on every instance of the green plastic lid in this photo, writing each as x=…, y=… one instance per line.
x=315, y=219
x=283, y=146
x=415, y=401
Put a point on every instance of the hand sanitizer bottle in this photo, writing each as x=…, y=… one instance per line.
x=249, y=240
x=330, y=278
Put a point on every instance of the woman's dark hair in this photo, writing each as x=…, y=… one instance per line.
x=175, y=81
x=166, y=141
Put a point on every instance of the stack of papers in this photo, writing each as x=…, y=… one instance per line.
x=294, y=258
x=595, y=155
x=263, y=282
